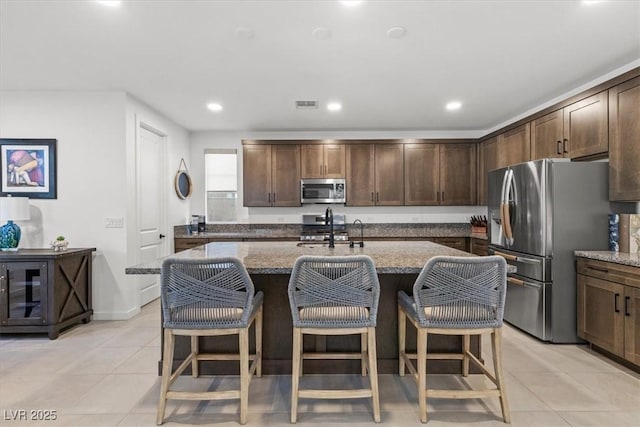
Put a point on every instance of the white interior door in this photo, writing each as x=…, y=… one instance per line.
x=151, y=222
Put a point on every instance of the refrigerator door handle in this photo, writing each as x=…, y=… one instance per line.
x=505, y=210
x=524, y=283
x=517, y=258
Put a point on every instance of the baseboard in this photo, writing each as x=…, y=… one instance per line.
x=115, y=315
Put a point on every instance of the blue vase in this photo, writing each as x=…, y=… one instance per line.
x=9, y=236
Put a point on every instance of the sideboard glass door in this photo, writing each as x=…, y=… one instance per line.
x=23, y=293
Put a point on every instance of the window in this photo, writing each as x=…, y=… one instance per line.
x=221, y=169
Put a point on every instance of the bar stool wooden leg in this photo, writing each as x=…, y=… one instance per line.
x=363, y=354
x=167, y=359
x=496, y=347
x=194, y=351
x=244, y=374
x=402, y=339
x=465, y=355
x=373, y=373
x=258, y=330
x=422, y=373
x=295, y=372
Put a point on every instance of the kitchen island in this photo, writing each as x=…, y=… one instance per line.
x=269, y=264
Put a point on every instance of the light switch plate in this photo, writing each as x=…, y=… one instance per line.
x=114, y=222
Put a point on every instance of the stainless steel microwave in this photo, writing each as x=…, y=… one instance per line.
x=317, y=190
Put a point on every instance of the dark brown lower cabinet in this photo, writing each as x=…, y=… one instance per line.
x=479, y=247
x=44, y=291
x=609, y=307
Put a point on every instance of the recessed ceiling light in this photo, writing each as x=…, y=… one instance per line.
x=591, y=2
x=396, y=32
x=214, y=106
x=454, y=105
x=110, y=3
x=351, y=3
x=334, y=106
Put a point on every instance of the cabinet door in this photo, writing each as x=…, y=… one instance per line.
x=285, y=175
x=458, y=174
x=24, y=294
x=389, y=174
x=334, y=158
x=600, y=313
x=488, y=153
x=586, y=129
x=459, y=243
x=256, y=174
x=421, y=174
x=360, y=175
x=546, y=136
x=632, y=324
x=312, y=163
x=624, y=141
x=514, y=146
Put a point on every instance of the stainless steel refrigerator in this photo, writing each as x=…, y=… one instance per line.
x=539, y=213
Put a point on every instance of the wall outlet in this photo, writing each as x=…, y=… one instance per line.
x=114, y=222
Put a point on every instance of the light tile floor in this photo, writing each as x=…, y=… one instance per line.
x=104, y=374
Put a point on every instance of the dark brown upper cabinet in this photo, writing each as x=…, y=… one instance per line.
x=421, y=174
x=514, y=146
x=458, y=174
x=547, y=136
x=323, y=160
x=624, y=141
x=440, y=174
x=271, y=175
x=375, y=174
x=586, y=130
x=488, y=159
x=578, y=130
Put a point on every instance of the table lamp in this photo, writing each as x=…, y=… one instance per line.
x=12, y=209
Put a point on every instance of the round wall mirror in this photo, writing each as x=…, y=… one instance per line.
x=183, y=184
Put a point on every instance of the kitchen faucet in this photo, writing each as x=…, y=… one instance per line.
x=328, y=219
x=361, y=243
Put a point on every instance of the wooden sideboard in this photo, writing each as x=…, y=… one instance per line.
x=44, y=291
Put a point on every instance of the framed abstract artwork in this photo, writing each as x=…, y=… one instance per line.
x=28, y=168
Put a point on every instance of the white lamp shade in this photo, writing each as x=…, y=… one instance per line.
x=14, y=208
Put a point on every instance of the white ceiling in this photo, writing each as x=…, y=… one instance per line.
x=500, y=58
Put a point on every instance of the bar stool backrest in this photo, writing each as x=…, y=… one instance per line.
x=334, y=292
x=205, y=293
x=461, y=292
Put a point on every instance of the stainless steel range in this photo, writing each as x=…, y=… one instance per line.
x=315, y=228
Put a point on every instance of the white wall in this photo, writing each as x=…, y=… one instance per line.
x=200, y=141
x=94, y=180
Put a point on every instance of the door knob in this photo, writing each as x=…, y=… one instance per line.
x=162, y=236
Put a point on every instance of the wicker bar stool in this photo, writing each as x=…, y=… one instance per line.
x=455, y=296
x=209, y=297
x=335, y=296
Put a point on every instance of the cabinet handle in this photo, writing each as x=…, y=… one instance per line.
x=559, y=147
x=626, y=306
x=437, y=196
x=600, y=269
x=372, y=198
x=443, y=196
x=615, y=303
x=377, y=196
x=564, y=146
x=269, y=199
x=274, y=197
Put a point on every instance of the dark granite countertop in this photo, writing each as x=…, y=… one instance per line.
x=609, y=256
x=292, y=231
x=394, y=257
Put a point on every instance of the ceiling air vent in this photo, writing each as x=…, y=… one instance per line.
x=306, y=105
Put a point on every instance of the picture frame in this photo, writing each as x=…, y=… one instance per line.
x=28, y=168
